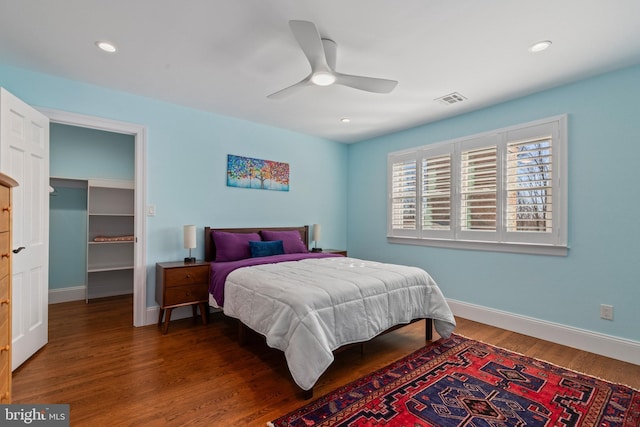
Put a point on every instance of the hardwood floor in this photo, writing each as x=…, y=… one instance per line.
x=114, y=374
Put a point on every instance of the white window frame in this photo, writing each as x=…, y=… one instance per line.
x=501, y=240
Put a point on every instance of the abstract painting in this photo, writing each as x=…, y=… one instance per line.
x=246, y=172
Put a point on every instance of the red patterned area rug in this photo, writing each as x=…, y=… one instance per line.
x=461, y=382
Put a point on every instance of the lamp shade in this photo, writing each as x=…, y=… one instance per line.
x=189, y=236
x=315, y=235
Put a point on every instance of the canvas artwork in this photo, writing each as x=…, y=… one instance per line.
x=246, y=172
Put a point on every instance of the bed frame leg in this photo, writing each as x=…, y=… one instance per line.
x=307, y=394
x=242, y=333
x=428, y=332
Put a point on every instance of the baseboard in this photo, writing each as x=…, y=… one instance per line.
x=582, y=339
x=111, y=293
x=73, y=293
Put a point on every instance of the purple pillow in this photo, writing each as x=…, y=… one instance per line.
x=233, y=246
x=291, y=240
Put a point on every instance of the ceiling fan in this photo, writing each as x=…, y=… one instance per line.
x=321, y=54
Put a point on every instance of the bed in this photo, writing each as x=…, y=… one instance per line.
x=309, y=305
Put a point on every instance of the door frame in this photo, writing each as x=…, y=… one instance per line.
x=139, y=132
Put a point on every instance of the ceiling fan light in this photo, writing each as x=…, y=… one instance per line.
x=540, y=46
x=323, y=78
x=106, y=46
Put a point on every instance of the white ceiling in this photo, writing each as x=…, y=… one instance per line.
x=226, y=56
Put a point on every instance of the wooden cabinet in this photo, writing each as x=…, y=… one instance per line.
x=111, y=240
x=5, y=287
x=180, y=284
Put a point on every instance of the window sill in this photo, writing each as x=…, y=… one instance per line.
x=516, y=248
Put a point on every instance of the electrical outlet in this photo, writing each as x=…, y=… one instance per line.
x=151, y=210
x=606, y=312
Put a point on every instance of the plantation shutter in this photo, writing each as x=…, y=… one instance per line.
x=436, y=193
x=534, y=210
x=478, y=189
x=529, y=186
x=404, y=196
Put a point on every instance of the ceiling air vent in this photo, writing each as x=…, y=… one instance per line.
x=452, y=98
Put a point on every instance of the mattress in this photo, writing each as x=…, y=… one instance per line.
x=309, y=307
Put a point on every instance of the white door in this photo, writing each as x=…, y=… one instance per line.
x=24, y=156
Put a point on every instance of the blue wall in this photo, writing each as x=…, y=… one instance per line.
x=603, y=265
x=82, y=153
x=186, y=166
x=67, y=237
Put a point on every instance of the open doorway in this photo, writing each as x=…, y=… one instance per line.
x=91, y=213
x=138, y=135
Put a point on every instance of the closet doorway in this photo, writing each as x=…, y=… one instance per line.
x=137, y=134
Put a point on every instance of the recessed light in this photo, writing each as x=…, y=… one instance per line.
x=106, y=46
x=345, y=120
x=540, y=46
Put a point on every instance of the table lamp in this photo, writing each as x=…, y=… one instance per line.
x=190, y=241
x=315, y=236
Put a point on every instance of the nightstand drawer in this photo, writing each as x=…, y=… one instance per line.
x=186, y=294
x=186, y=276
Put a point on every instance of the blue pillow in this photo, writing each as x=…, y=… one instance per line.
x=260, y=249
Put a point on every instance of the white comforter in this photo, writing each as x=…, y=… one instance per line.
x=310, y=307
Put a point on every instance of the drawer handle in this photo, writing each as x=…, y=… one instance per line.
x=6, y=209
x=5, y=255
x=4, y=301
x=188, y=276
x=5, y=348
x=15, y=251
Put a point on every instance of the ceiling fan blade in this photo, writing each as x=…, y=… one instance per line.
x=283, y=93
x=330, y=52
x=309, y=40
x=369, y=84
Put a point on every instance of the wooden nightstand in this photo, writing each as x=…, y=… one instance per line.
x=179, y=284
x=335, y=251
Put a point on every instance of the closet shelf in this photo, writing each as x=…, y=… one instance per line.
x=98, y=269
x=110, y=214
x=111, y=243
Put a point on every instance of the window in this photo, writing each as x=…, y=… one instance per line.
x=404, y=192
x=503, y=190
x=436, y=193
